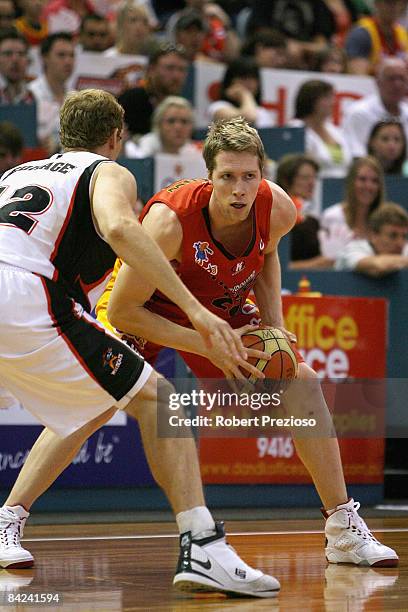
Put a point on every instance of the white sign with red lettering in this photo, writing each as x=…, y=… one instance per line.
x=279, y=89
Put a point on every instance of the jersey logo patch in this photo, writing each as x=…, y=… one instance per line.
x=202, y=251
x=111, y=360
x=238, y=268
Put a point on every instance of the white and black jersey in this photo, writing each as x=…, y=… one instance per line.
x=46, y=224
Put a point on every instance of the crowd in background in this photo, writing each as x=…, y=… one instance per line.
x=360, y=37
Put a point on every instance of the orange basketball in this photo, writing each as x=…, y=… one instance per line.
x=283, y=364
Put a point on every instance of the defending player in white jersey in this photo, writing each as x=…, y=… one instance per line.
x=62, y=221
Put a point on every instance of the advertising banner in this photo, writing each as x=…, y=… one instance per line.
x=337, y=337
x=279, y=88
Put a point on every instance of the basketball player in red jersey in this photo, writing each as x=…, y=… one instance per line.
x=221, y=236
x=61, y=222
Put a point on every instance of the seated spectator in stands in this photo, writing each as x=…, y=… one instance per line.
x=11, y=146
x=95, y=34
x=388, y=103
x=268, y=48
x=7, y=14
x=240, y=95
x=345, y=12
x=31, y=24
x=133, y=31
x=221, y=43
x=385, y=250
x=348, y=220
x=13, y=68
x=66, y=15
x=388, y=144
x=308, y=24
x=50, y=88
x=297, y=175
x=189, y=31
x=165, y=76
x=172, y=123
x=376, y=37
x=331, y=59
x=323, y=140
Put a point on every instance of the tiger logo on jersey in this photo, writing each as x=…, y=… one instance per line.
x=202, y=251
x=111, y=360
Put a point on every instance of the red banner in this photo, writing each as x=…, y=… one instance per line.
x=339, y=337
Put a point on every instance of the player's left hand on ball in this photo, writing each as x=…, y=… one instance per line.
x=291, y=337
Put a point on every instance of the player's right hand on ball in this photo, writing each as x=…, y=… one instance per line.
x=241, y=369
x=219, y=337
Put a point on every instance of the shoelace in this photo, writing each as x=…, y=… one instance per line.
x=11, y=528
x=358, y=525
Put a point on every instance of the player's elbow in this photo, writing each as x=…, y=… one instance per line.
x=116, y=314
x=114, y=232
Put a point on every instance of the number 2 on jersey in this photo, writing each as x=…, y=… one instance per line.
x=23, y=206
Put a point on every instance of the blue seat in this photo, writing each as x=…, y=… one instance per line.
x=277, y=141
x=24, y=117
x=143, y=171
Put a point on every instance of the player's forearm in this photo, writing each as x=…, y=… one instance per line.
x=134, y=246
x=268, y=292
x=139, y=321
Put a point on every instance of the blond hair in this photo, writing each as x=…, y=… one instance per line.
x=232, y=135
x=88, y=118
x=351, y=202
x=168, y=102
x=388, y=214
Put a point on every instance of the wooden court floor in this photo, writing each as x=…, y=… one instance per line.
x=123, y=566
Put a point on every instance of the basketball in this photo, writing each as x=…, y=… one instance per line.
x=283, y=364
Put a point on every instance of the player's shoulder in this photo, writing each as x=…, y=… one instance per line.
x=114, y=170
x=185, y=196
x=160, y=220
x=185, y=185
x=283, y=213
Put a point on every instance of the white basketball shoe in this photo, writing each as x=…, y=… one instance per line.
x=349, y=540
x=210, y=564
x=12, y=554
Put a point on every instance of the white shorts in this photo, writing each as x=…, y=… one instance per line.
x=63, y=365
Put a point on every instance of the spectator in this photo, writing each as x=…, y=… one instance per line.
x=240, y=95
x=7, y=14
x=220, y=42
x=387, y=103
x=308, y=24
x=268, y=48
x=172, y=124
x=345, y=12
x=323, y=140
x=66, y=15
x=297, y=175
x=31, y=24
x=331, y=59
x=376, y=37
x=385, y=250
x=50, y=88
x=349, y=219
x=134, y=32
x=189, y=31
x=95, y=33
x=388, y=144
x=11, y=146
x=13, y=68
x=165, y=76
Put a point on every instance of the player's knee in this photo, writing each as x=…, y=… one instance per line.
x=153, y=396
x=306, y=372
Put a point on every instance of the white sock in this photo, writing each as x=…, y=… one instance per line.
x=198, y=520
x=332, y=510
